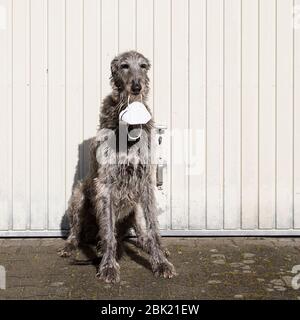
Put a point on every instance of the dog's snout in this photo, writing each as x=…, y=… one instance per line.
x=136, y=87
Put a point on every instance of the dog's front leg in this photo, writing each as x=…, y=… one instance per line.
x=109, y=269
x=160, y=264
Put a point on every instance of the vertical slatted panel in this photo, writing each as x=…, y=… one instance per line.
x=227, y=70
x=297, y=113
x=109, y=40
x=6, y=113
x=232, y=114
x=91, y=76
x=21, y=114
x=179, y=114
x=162, y=86
x=249, y=114
x=56, y=112
x=197, y=114
x=74, y=92
x=214, y=141
x=267, y=113
x=38, y=115
x=284, y=114
x=127, y=25
x=144, y=26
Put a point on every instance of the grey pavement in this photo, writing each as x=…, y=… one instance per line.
x=208, y=268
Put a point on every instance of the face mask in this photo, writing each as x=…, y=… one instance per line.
x=135, y=113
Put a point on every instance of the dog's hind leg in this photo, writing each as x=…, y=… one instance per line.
x=109, y=269
x=151, y=241
x=76, y=205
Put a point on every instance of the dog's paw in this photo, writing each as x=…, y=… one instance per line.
x=66, y=251
x=109, y=273
x=167, y=252
x=165, y=269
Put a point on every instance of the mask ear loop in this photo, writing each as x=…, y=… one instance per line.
x=135, y=138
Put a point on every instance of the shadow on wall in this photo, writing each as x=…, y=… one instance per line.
x=81, y=172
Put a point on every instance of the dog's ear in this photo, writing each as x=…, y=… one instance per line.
x=114, y=66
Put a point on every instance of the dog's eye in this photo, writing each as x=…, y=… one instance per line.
x=143, y=66
x=124, y=66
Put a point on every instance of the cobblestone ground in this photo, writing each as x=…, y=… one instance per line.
x=208, y=268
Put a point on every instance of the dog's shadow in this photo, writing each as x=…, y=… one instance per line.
x=89, y=251
x=81, y=171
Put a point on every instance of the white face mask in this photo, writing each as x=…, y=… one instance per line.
x=135, y=113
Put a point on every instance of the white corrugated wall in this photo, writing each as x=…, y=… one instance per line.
x=226, y=73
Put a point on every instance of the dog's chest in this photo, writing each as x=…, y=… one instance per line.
x=126, y=176
x=126, y=184
x=124, y=172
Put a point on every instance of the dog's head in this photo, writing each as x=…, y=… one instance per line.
x=129, y=74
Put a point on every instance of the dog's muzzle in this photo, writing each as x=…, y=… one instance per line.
x=136, y=87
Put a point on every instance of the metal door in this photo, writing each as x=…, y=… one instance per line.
x=225, y=82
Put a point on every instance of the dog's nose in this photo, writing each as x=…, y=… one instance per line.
x=136, y=87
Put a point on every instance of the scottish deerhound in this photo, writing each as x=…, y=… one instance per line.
x=121, y=195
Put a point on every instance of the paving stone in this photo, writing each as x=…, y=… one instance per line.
x=287, y=280
x=214, y=282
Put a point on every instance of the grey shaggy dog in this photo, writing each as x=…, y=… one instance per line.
x=119, y=195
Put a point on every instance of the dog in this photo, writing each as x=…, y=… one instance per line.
x=119, y=194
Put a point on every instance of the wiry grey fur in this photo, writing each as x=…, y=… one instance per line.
x=115, y=197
